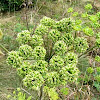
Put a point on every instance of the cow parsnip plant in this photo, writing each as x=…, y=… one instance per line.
x=49, y=56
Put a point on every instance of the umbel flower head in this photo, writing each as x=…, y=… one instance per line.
x=80, y=44
x=88, y=31
x=67, y=38
x=60, y=47
x=64, y=25
x=24, y=69
x=36, y=40
x=54, y=35
x=33, y=80
x=56, y=63
x=71, y=58
x=98, y=42
x=69, y=73
x=40, y=66
x=1, y=34
x=25, y=51
x=14, y=59
x=24, y=37
x=39, y=53
x=48, y=22
x=41, y=30
x=52, y=79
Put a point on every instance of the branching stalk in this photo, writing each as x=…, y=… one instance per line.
x=90, y=49
x=4, y=48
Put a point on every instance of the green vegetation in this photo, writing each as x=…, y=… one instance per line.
x=55, y=57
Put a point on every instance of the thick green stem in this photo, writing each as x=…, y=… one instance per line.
x=4, y=48
x=41, y=92
x=90, y=49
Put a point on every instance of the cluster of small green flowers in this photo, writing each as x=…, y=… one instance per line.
x=98, y=35
x=41, y=66
x=52, y=79
x=56, y=63
x=62, y=64
x=60, y=48
x=84, y=15
x=68, y=38
x=48, y=22
x=65, y=25
x=70, y=10
x=69, y=73
x=24, y=69
x=36, y=40
x=98, y=15
x=75, y=14
x=33, y=80
x=71, y=58
x=25, y=51
x=54, y=35
x=88, y=31
x=98, y=42
x=93, y=18
x=80, y=44
x=97, y=78
x=14, y=59
x=97, y=58
x=90, y=70
x=98, y=69
x=39, y=53
x=88, y=7
x=41, y=30
x=24, y=37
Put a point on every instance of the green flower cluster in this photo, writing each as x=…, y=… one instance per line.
x=39, y=53
x=56, y=63
x=75, y=14
x=36, y=40
x=98, y=35
x=98, y=69
x=97, y=58
x=90, y=70
x=70, y=10
x=93, y=18
x=24, y=69
x=23, y=37
x=41, y=66
x=71, y=58
x=88, y=7
x=84, y=15
x=33, y=80
x=97, y=78
x=60, y=48
x=69, y=73
x=65, y=25
x=98, y=15
x=14, y=59
x=61, y=66
x=25, y=51
x=98, y=42
x=88, y=31
x=52, y=79
x=41, y=30
x=68, y=38
x=48, y=22
x=54, y=35
x=80, y=44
